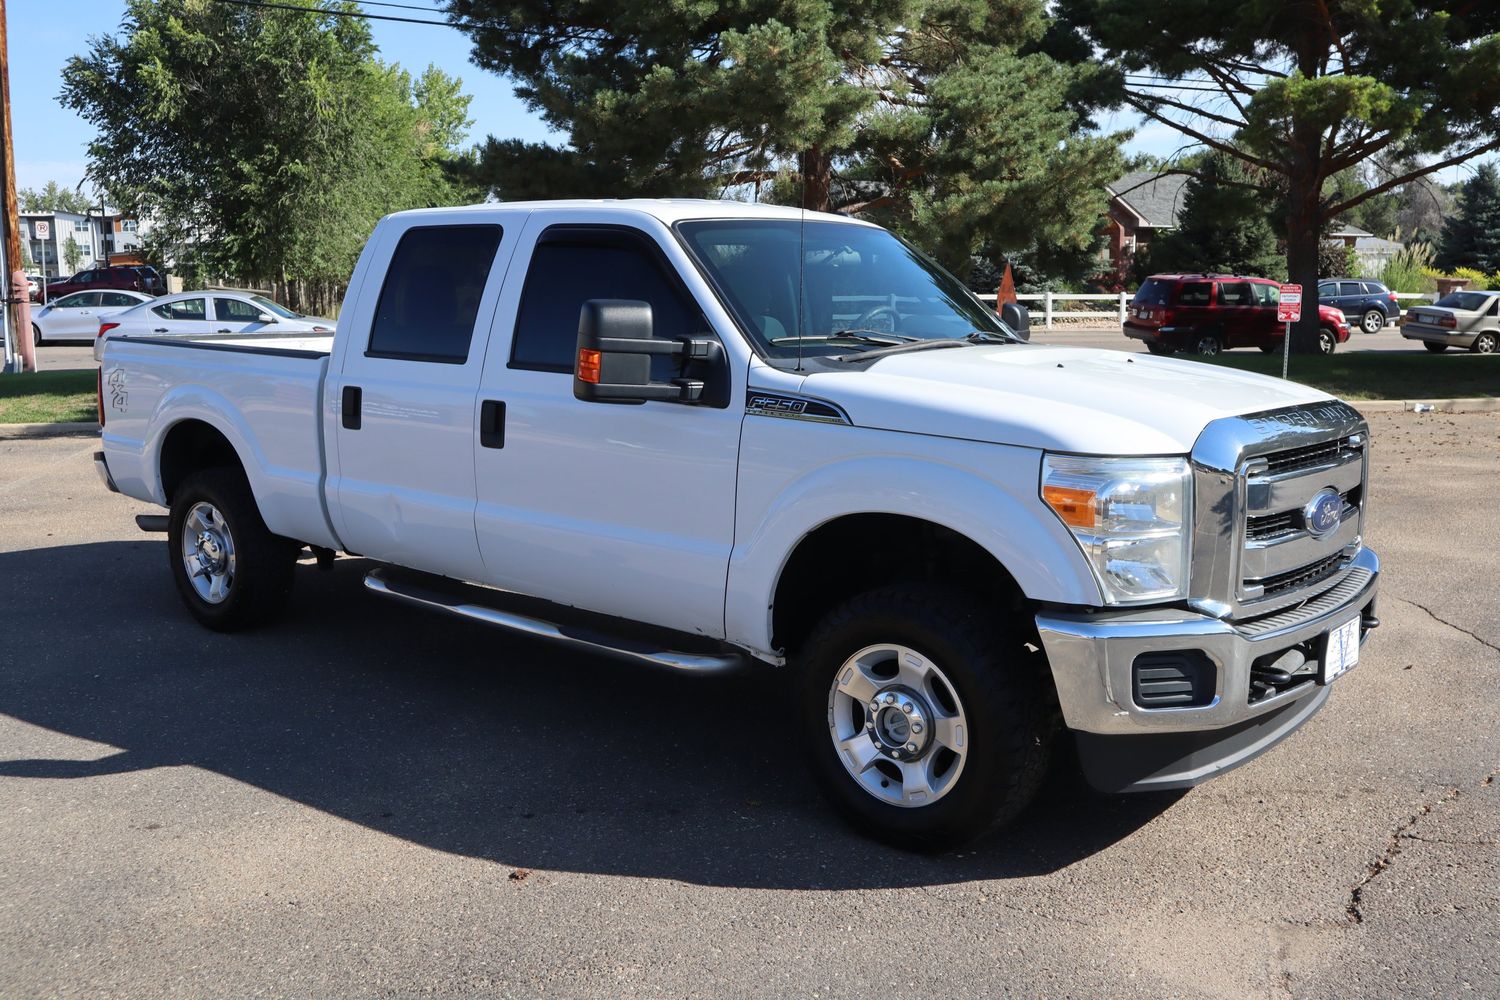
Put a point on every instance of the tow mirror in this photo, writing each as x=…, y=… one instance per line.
x=615, y=348
x=1015, y=316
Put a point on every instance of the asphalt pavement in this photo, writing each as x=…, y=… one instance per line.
x=365, y=800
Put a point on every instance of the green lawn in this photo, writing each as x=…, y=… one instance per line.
x=48, y=397
x=1380, y=375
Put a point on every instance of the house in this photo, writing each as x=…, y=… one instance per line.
x=1141, y=205
x=102, y=236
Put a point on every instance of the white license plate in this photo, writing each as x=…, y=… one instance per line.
x=1342, y=651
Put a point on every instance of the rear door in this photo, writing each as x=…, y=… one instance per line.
x=178, y=318
x=1237, y=312
x=411, y=352
x=622, y=509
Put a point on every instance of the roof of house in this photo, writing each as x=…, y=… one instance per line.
x=1344, y=230
x=1375, y=243
x=1155, y=198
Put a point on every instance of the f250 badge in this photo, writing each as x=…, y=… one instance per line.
x=118, y=397
x=768, y=404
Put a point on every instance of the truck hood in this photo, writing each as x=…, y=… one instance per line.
x=1058, y=398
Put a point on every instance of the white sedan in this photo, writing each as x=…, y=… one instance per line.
x=197, y=314
x=77, y=316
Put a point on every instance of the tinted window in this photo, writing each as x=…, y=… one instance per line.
x=1351, y=288
x=235, y=310
x=83, y=277
x=116, y=299
x=1234, y=293
x=1464, y=301
x=77, y=300
x=184, y=309
x=563, y=276
x=1153, y=293
x=1194, y=293
x=431, y=294
x=1328, y=290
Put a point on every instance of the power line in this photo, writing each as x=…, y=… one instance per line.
x=364, y=15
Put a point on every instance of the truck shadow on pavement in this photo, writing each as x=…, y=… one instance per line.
x=465, y=739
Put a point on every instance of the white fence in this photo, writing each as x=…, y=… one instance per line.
x=1121, y=302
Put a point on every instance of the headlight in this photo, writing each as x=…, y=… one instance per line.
x=1131, y=517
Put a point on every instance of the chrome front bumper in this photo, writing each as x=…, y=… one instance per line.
x=1092, y=656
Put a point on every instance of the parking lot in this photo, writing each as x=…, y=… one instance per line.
x=367, y=801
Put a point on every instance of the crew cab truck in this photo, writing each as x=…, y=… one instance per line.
x=702, y=436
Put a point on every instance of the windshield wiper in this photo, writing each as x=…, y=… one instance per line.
x=976, y=337
x=857, y=336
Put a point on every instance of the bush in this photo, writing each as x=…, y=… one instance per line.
x=1478, y=280
x=1336, y=260
x=1407, y=270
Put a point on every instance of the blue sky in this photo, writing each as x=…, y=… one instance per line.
x=51, y=142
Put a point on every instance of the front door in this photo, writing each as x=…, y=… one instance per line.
x=72, y=317
x=412, y=348
x=616, y=508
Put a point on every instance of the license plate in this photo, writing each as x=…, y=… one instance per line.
x=1340, y=651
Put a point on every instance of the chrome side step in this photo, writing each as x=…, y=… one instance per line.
x=379, y=582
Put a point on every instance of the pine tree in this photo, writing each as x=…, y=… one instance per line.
x=1471, y=236
x=1223, y=227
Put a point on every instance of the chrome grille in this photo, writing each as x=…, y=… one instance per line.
x=1313, y=455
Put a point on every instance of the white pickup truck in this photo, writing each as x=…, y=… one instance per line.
x=704, y=435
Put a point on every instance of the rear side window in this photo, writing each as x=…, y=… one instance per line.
x=1153, y=293
x=430, y=298
x=1195, y=293
x=185, y=309
x=1351, y=288
x=1234, y=293
x=563, y=275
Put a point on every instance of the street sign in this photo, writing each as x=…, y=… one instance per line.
x=1289, y=310
x=43, y=229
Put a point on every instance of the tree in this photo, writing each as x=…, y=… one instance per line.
x=27, y=263
x=941, y=118
x=1222, y=228
x=52, y=198
x=1302, y=91
x=1336, y=259
x=263, y=142
x=72, y=254
x=1471, y=237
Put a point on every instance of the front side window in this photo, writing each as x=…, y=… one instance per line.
x=1328, y=290
x=183, y=309
x=117, y=299
x=430, y=299
x=77, y=300
x=1267, y=295
x=570, y=267
x=235, y=310
x=832, y=288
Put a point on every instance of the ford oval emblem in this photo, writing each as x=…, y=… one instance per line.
x=1323, y=513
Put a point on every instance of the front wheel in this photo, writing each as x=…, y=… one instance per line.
x=36, y=335
x=230, y=570
x=1483, y=344
x=923, y=714
x=1327, y=342
x=1434, y=347
x=1373, y=321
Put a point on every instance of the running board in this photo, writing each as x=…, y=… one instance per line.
x=379, y=582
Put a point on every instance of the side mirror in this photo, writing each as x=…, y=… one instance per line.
x=265, y=317
x=1015, y=316
x=615, y=348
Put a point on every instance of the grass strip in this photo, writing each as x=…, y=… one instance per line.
x=1380, y=374
x=48, y=397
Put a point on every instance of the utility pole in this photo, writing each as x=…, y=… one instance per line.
x=17, y=294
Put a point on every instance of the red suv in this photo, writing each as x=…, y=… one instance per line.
x=1208, y=313
x=127, y=277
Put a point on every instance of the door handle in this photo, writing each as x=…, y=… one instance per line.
x=225, y=330
x=160, y=329
x=492, y=424
x=353, y=399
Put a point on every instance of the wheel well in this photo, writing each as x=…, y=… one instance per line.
x=190, y=446
x=860, y=552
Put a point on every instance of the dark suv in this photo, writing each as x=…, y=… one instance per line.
x=129, y=277
x=1208, y=313
x=1370, y=304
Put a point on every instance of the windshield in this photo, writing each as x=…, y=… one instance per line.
x=273, y=307
x=1464, y=301
x=861, y=288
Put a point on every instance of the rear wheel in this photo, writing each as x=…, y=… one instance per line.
x=1373, y=321
x=1483, y=344
x=1208, y=343
x=1269, y=348
x=1434, y=347
x=923, y=715
x=230, y=570
x=1161, y=350
x=1327, y=342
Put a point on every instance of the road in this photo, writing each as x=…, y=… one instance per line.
x=368, y=801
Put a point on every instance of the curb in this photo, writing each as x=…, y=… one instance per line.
x=10, y=432
x=1472, y=404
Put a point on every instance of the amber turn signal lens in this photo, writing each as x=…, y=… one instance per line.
x=588, y=365
x=1074, y=506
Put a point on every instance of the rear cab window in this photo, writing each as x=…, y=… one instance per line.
x=430, y=298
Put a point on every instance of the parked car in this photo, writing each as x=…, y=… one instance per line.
x=1458, y=319
x=34, y=287
x=1208, y=313
x=126, y=277
x=77, y=317
x=1370, y=304
x=958, y=546
x=196, y=314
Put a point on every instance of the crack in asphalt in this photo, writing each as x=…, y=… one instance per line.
x=1443, y=621
x=1354, y=908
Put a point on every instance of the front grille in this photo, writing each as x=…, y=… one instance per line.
x=1311, y=455
x=1266, y=527
x=1304, y=576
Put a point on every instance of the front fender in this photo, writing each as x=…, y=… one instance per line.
x=985, y=492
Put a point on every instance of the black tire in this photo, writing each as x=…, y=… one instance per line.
x=1208, y=343
x=996, y=679
x=1160, y=350
x=36, y=335
x=1269, y=348
x=1484, y=344
x=261, y=579
x=1372, y=318
x=1328, y=342
x=1434, y=346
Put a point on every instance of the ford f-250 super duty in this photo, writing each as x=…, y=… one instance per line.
x=701, y=435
